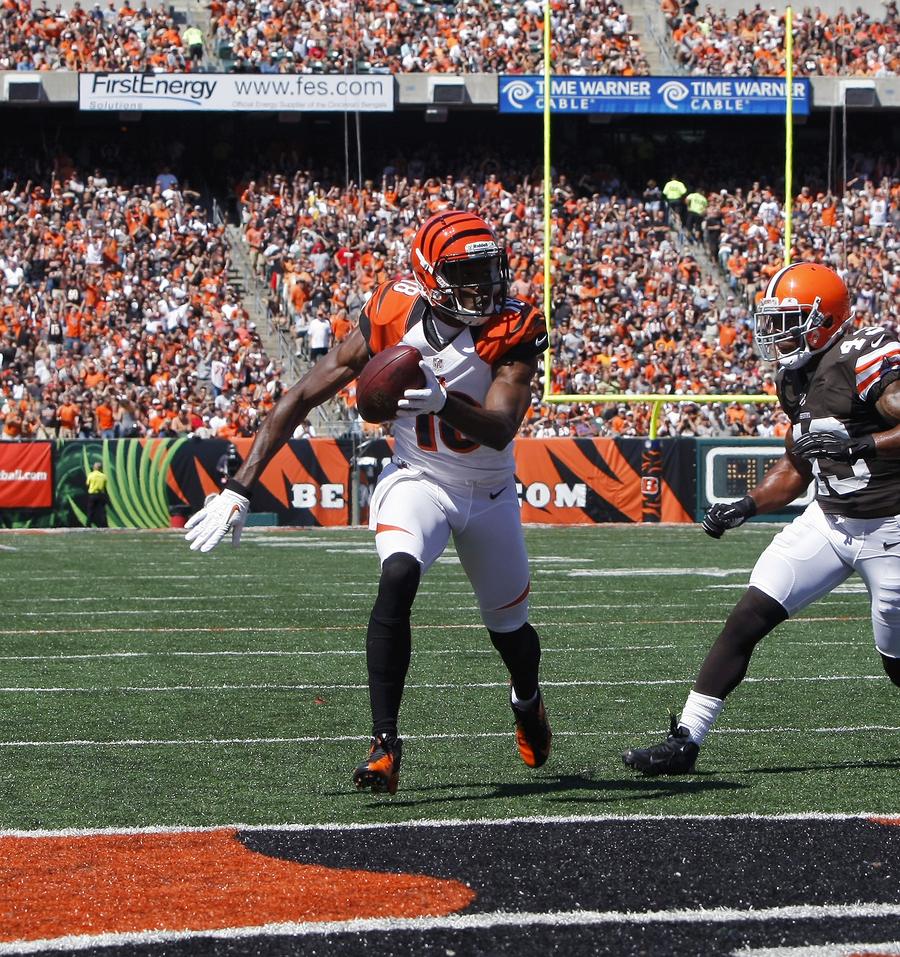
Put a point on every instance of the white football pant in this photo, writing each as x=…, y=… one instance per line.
x=816, y=552
x=413, y=513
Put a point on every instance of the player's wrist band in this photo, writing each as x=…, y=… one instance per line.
x=748, y=506
x=232, y=485
x=864, y=447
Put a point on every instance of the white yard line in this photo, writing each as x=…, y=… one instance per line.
x=493, y=920
x=254, y=629
x=356, y=652
x=441, y=823
x=433, y=686
x=339, y=739
x=889, y=948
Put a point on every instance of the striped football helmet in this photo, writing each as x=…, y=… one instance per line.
x=460, y=268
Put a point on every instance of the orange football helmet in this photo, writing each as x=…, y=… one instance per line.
x=460, y=267
x=804, y=308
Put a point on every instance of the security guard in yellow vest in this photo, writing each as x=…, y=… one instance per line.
x=96, y=487
x=696, y=204
x=673, y=193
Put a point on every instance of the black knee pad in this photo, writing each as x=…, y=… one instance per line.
x=892, y=668
x=397, y=586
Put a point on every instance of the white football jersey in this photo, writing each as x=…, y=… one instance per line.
x=463, y=362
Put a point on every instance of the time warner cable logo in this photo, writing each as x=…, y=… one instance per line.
x=518, y=93
x=673, y=92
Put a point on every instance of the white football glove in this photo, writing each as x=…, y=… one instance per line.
x=208, y=527
x=430, y=399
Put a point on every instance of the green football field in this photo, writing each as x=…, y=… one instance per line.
x=145, y=685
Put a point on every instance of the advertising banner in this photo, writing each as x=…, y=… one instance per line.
x=152, y=483
x=668, y=95
x=235, y=92
x=26, y=474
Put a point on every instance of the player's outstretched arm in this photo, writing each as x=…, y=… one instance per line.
x=227, y=512
x=497, y=423
x=323, y=381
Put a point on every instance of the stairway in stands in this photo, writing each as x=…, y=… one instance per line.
x=328, y=419
x=649, y=25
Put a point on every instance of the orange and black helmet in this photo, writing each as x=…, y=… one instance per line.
x=803, y=311
x=460, y=267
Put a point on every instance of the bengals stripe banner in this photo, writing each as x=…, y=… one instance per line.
x=569, y=481
x=26, y=474
x=563, y=481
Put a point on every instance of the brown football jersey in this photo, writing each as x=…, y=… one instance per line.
x=837, y=392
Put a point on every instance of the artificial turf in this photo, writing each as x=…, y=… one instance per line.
x=230, y=688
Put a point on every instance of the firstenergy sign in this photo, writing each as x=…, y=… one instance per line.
x=228, y=92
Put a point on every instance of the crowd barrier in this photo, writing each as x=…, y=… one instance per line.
x=155, y=483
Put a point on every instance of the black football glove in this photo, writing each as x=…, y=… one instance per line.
x=724, y=515
x=834, y=446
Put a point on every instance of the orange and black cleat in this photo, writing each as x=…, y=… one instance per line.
x=381, y=769
x=533, y=734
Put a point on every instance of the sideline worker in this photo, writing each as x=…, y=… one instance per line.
x=96, y=486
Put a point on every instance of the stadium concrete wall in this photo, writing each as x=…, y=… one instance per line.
x=412, y=91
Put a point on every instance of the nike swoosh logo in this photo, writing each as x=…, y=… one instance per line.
x=542, y=342
x=888, y=545
x=877, y=342
x=493, y=495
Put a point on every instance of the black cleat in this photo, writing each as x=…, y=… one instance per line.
x=676, y=755
x=533, y=734
x=380, y=771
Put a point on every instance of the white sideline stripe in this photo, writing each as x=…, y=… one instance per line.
x=131, y=573
x=131, y=598
x=8, y=548
x=541, y=819
x=315, y=654
x=435, y=686
x=245, y=629
x=471, y=922
x=887, y=948
x=340, y=739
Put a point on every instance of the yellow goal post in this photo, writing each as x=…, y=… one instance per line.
x=657, y=401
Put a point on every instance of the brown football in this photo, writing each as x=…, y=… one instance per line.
x=387, y=375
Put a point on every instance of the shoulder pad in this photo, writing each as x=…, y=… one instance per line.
x=519, y=331
x=390, y=311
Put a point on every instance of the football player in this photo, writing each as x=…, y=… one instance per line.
x=452, y=472
x=841, y=391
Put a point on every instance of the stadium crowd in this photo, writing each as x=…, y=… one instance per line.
x=471, y=36
x=393, y=36
x=751, y=43
x=117, y=318
x=120, y=40
x=634, y=312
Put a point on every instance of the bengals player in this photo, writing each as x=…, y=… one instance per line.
x=841, y=391
x=452, y=472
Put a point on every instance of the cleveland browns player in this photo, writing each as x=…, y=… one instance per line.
x=841, y=391
x=452, y=472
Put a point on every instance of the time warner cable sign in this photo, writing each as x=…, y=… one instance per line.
x=203, y=92
x=708, y=96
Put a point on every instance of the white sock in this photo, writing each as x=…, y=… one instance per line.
x=700, y=712
x=524, y=705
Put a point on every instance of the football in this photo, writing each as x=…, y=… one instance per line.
x=385, y=378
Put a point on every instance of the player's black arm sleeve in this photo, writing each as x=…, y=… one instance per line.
x=784, y=481
x=887, y=444
x=331, y=373
x=497, y=422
